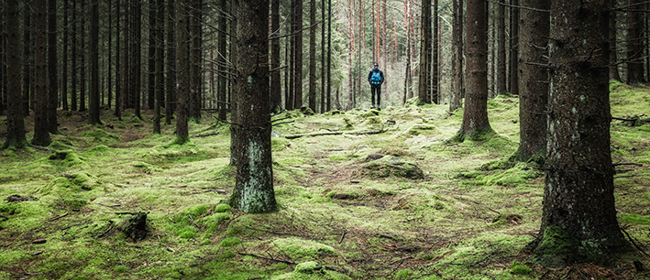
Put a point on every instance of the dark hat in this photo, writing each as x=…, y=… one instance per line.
x=376, y=64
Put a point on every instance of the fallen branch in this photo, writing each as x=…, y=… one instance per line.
x=342, y=236
x=110, y=228
x=267, y=258
x=627, y=163
x=192, y=220
x=283, y=122
x=632, y=240
x=208, y=134
x=58, y=217
x=366, y=132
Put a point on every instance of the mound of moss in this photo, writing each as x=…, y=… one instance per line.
x=376, y=170
x=299, y=249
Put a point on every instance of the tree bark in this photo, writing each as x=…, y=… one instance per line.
x=159, y=85
x=425, y=52
x=93, y=114
x=514, y=48
x=195, y=68
x=52, y=63
x=298, y=68
x=137, y=56
x=118, y=68
x=579, y=219
x=15, y=114
x=82, y=55
x=253, y=192
x=323, y=72
x=457, y=57
x=634, y=47
x=171, y=62
x=222, y=40
x=74, y=77
x=312, y=56
x=475, y=119
x=151, y=90
x=41, y=132
x=182, y=71
x=28, y=57
x=110, y=55
x=329, y=55
x=501, y=69
x=533, y=96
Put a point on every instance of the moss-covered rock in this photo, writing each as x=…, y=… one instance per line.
x=298, y=249
x=377, y=170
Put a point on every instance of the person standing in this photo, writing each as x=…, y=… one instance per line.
x=376, y=78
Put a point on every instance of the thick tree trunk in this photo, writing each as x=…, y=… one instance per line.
x=475, y=118
x=533, y=80
x=182, y=71
x=457, y=57
x=634, y=46
x=74, y=78
x=253, y=192
x=514, y=48
x=425, y=52
x=41, y=132
x=579, y=219
x=312, y=56
x=137, y=56
x=93, y=114
x=15, y=114
x=82, y=55
x=171, y=62
x=501, y=38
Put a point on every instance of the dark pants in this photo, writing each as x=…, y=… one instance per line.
x=375, y=89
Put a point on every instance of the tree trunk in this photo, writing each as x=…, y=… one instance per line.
x=457, y=57
x=41, y=132
x=110, y=54
x=118, y=68
x=171, y=62
x=222, y=40
x=52, y=63
x=3, y=66
x=82, y=55
x=160, y=91
x=434, y=56
x=151, y=90
x=195, y=68
x=329, y=55
x=182, y=71
x=298, y=83
x=634, y=46
x=290, y=100
x=579, y=219
x=425, y=52
x=74, y=79
x=514, y=48
x=475, y=119
x=312, y=55
x=253, y=192
x=501, y=71
x=15, y=114
x=93, y=114
x=276, y=88
x=137, y=56
x=533, y=81
x=28, y=57
x=323, y=73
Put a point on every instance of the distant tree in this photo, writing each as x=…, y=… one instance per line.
x=276, y=90
x=298, y=57
x=514, y=48
x=613, y=61
x=312, y=55
x=501, y=39
x=93, y=113
x=119, y=80
x=171, y=61
x=159, y=65
x=533, y=86
x=182, y=71
x=426, y=45
x=15, y=119
x=196, y=59
x=109, y=49
x=323, y=72
x=435, y=57
x=151, y=89
x=82, y=56
x=28, y=57
x=253, y=192
x=634, y=46
x=66, y=44
x=74, y=75
x=329, y=55
x=52, y=63
x=579, y=191
x=457, y=57
x=136, y=50
x=222, y=41
x=41, y=132
x=475, y=119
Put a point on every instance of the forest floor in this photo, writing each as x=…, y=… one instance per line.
x=386, y=198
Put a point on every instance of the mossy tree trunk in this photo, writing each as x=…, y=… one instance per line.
x=533, y=86
x=253, y=191
x=15, y=120
x=41, y=132
x=475, y=118
x=182, y=71
x=579, y=219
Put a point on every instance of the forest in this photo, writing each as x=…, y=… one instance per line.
x=251, y=139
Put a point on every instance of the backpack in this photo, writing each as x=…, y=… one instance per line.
x=375, y=79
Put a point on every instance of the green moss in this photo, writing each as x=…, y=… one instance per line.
x=634, y=219
x=198, y=210
x=186, y=232
x=307, y=111
x=369, y=114
x=308, y=267
x=230, y=241
x=120, y=268
x=98, y=150
x=513, y=177
x=59, y=146
x=68, y=158
x=221, y=208
x=404, y=274
x=520, y=269
x=278, y=143
x=299, y=249
x=382, y=170
x=101, y=135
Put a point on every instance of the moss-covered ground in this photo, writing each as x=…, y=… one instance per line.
x=400, y=204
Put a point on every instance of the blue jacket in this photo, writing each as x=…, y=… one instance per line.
x=380, y=73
